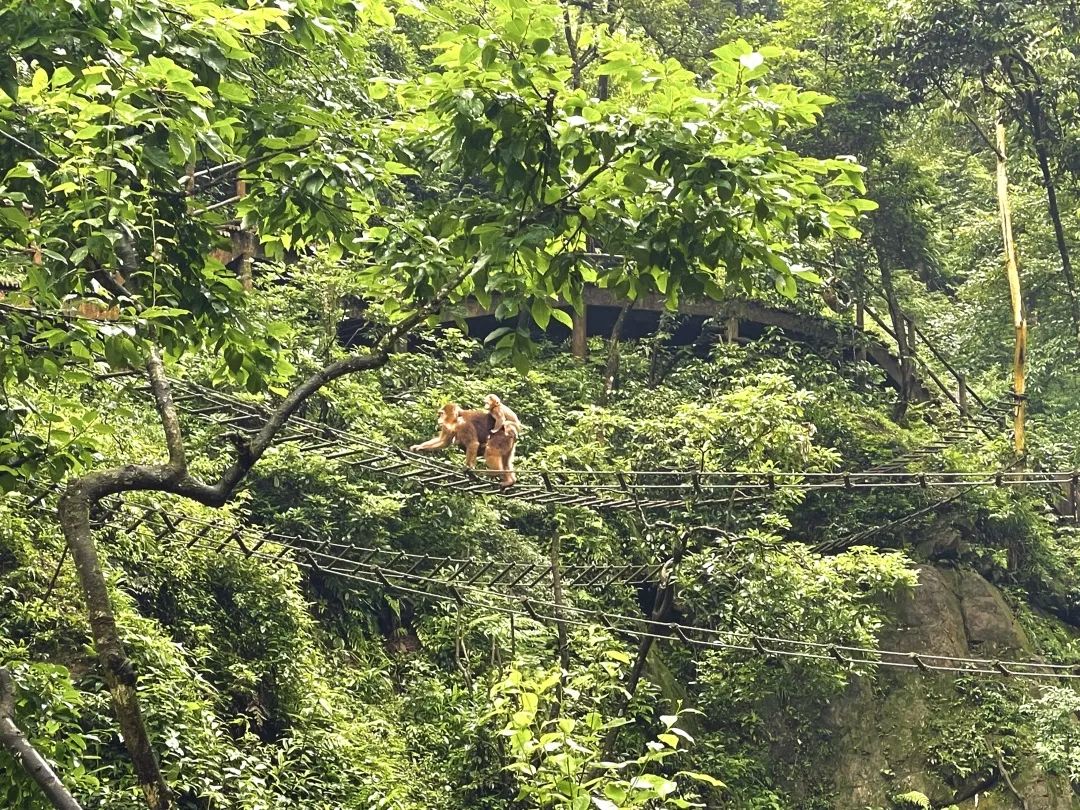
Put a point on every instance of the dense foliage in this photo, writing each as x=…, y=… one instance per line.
x=207, y=188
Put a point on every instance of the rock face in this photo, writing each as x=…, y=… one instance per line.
x=885, y=731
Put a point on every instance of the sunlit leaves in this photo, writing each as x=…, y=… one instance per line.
x=692, y=185
x=559, y=761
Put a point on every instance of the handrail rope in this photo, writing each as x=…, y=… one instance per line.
x=607, y=615
x=748, y=642
x=256, y=410
x=861, y=480
x=848, y=288
x=744, y=478
x=841, y=543
x=302, y=543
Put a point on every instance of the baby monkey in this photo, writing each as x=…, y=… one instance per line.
x=505, y=419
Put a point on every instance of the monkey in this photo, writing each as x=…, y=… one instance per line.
x=502, y=414
x=472, y=429
x=499, y=454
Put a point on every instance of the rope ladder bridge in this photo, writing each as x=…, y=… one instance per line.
x=505, y=587
x=645, y=490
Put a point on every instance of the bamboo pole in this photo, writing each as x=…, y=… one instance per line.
x=1013, y=273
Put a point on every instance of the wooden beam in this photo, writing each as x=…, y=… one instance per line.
x=579, y=337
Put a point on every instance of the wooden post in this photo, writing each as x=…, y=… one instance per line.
x=243, y=245
x=962, y=394
x=860, y=325
x=579, y=337
x=1013, y=272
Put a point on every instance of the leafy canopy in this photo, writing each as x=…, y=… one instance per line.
x=493, y=174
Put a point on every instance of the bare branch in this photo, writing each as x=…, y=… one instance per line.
x=215, y=206
x=166, y=408
x=32, y=150
x=14, y=739
x=971, y=119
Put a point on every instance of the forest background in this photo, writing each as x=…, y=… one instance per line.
x=195, y=194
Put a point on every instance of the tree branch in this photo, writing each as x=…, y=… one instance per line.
x=215, y=206
x=14, y=739
x=83, y=493
x=971, y=119
x=166, y=408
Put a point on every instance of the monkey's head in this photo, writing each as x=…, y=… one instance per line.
x=491, y=402
x=449, y=414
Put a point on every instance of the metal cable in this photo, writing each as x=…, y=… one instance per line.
x=753, y=643
x=683, y=487
x=699, y=636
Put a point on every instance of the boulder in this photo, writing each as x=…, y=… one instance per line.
x=881, y=728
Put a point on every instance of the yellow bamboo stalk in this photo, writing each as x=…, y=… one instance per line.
x=1013, y=273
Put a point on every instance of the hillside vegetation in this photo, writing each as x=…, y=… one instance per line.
x=808, y=561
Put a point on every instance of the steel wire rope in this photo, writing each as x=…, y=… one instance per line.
x=346, y=435
x=678, y=632
x=743, y=478
x=834, y=480
x=306, y=543
x=907, y=660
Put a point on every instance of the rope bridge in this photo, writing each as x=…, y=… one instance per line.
x=343, y=557
x=491, y=589
x=645, y=490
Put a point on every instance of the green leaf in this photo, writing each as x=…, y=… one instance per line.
x=380, y=16
x=615, y=792
x=88, y=132
x=25, y=169
x=14, y=217
x=9, y=82
x=541, y=312
x=702, y=777
x=62, y=77
x=495, y=334
x=231, y=91
x=163, y=312
x=148, y=25
x=563, y=317
x=80, y=351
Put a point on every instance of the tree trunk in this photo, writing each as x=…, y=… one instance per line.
x=85, y=493
x=1059, y=232
x=560, y=622
x=579, y=337
x=119, y=672
x=611, y=370
x=663, y=607
x=899, y=325
x=15, y=741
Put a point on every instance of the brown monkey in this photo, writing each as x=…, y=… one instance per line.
x=499, y=453
x=501, y=414
x=472, y=430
